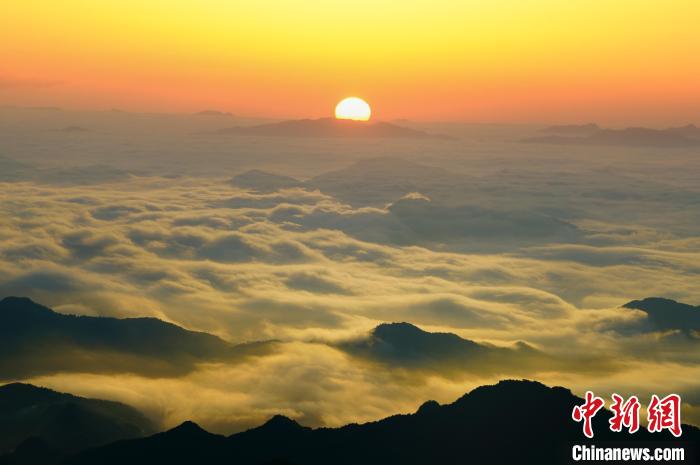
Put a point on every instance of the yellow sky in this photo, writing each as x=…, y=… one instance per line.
x=497, y=60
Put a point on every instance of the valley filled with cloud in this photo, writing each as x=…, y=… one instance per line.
x=516, y=258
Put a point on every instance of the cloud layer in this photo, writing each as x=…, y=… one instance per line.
x=301, y=267
x=527, y=251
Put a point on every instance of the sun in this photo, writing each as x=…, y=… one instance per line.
x=353, y=108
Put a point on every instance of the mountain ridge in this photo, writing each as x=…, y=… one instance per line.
x=41, y=341
x=519, y=413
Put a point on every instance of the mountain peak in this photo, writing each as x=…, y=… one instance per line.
x=666, y=314
x=406, y=333
x=511, y=388
x=649, y=301
x=281, y=423
x=25, y=305
x=187, y=428
x=14, y=300
x=394, y=328
x=404, y=344
x=17, y=387
x=15, y=394
x=428, y=407
x=22, y=387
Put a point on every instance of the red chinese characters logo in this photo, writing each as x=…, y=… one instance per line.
x=587, y=411
x=665, y=414
x=662, y=414
x=625, y=413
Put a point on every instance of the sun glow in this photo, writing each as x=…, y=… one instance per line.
x=353, y=108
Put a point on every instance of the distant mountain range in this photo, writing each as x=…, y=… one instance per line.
x=41, y=427
x=330, y=128
x=36, y=340
x=591, y=134
x=39, y=341
x=512, y=422
x=37, y=421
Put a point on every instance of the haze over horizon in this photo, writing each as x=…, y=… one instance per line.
x=501, y=61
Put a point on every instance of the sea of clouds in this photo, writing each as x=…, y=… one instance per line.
x=499, y=243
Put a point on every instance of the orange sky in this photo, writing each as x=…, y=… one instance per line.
x=621, y=62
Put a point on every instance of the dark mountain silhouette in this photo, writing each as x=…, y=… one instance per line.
x=40, y=425
x=405, y=345
x=329, y=128
x=264, y=182
x=185, y=444
x=512, y=422
x=37, y=340
x=630, y=137
x=573, y=129
x=667, y=314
